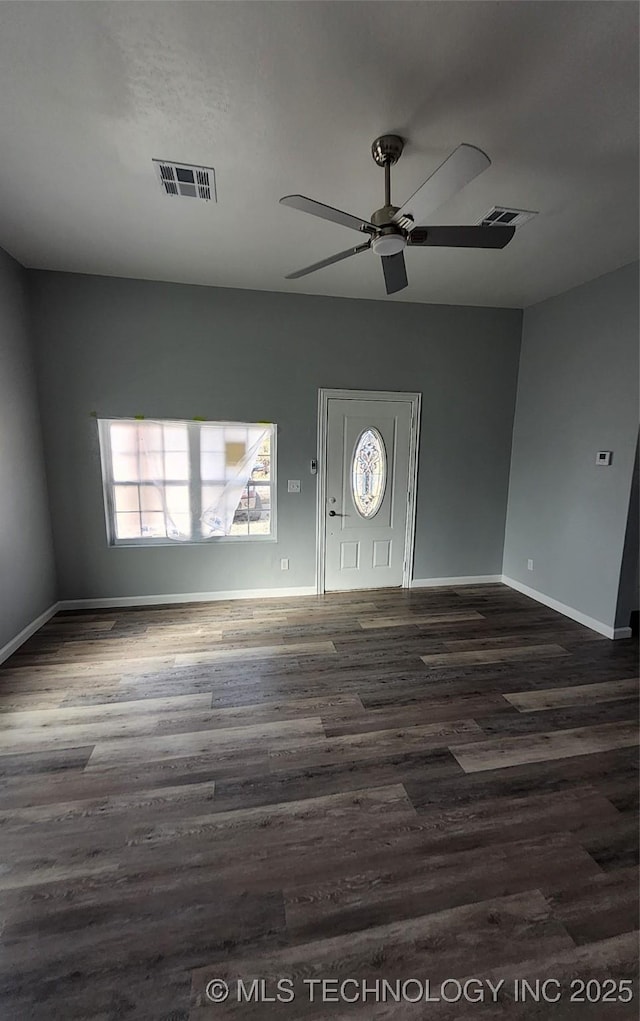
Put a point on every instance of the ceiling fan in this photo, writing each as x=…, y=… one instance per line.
x=391, y=228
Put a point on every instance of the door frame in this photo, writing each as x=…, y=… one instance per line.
x=415, y=400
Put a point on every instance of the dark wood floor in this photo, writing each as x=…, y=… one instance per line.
x=433, y=784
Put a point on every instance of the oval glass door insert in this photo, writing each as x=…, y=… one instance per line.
x=369, y=473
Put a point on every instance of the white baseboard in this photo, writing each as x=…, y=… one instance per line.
x=622, y=632
x=568, y=611
x=303, y=590
x=166, y=598
x=35, y=625
x=477, y=579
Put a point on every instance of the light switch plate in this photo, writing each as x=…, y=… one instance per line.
x=293, y=486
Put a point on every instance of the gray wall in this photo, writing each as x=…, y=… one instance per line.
x=125, y=347
x=629, y=591
x=577, y=394
x=27, y=575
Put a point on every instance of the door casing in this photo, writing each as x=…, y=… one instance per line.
x=324, y=396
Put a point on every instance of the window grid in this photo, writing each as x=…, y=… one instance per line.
x=243, y=529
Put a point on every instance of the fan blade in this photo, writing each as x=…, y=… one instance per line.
x=461, y=237
x=328, y=262
x=464, y=163
x=395, y=272
x=306, y=205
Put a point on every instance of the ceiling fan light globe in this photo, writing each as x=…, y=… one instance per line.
x=388, y=244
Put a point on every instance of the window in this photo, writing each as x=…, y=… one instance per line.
x=368, y=473
x=177, y=481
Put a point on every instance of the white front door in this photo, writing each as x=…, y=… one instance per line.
x=368, y=474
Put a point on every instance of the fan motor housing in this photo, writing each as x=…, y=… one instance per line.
x=384, y=217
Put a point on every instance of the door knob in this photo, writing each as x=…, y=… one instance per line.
x=335, y=514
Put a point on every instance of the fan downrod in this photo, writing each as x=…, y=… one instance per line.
x=386, y=151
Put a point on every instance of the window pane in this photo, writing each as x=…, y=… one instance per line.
x=262, y=526
x=260, y=515
x=150, y=437
x=211, y=466
x=125, y=467
x=212, y=438
x=128, y=526
x=235, y=451
x=176, y=437
x=235, y=434
x=182, y=523
x=124, y=438
x=210, y=494
x=176, y=465
x=177, y=499
x=126, y=498
x=153, y=524
x=368, y=473
x=261, y=471
x=150, y=498
x=262, y=497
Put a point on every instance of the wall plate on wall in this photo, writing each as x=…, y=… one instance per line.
x=604, y=457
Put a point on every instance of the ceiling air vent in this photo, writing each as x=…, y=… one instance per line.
x=186, y=180
x=502, y=215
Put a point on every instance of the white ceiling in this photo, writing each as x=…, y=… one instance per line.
x=287, y=97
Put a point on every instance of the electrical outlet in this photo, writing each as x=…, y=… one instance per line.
x=529, y=565
x=284, y=564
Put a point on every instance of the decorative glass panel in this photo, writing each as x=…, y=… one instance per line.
x=369, y=473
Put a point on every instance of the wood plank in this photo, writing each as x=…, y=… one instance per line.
x=421, y=620
x=49, y=761
x=150, y=802
x=379, y=770
x=122, y=725
x=30, y=701
x=353, y=747
x=513, y=926
x=44, y=788
x=230, y=741
x=579, y=694
x=603, y=906
x=499, y=655
x=510, y=751
x=564, y=718
x=422, y=713
x=614, y=844
x=418, y=884
x=605, y=772
x=523, y=636
x=67, y=715
x=605, y=961
x=258, y=652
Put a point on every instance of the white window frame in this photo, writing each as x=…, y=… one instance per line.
x=195, y=484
